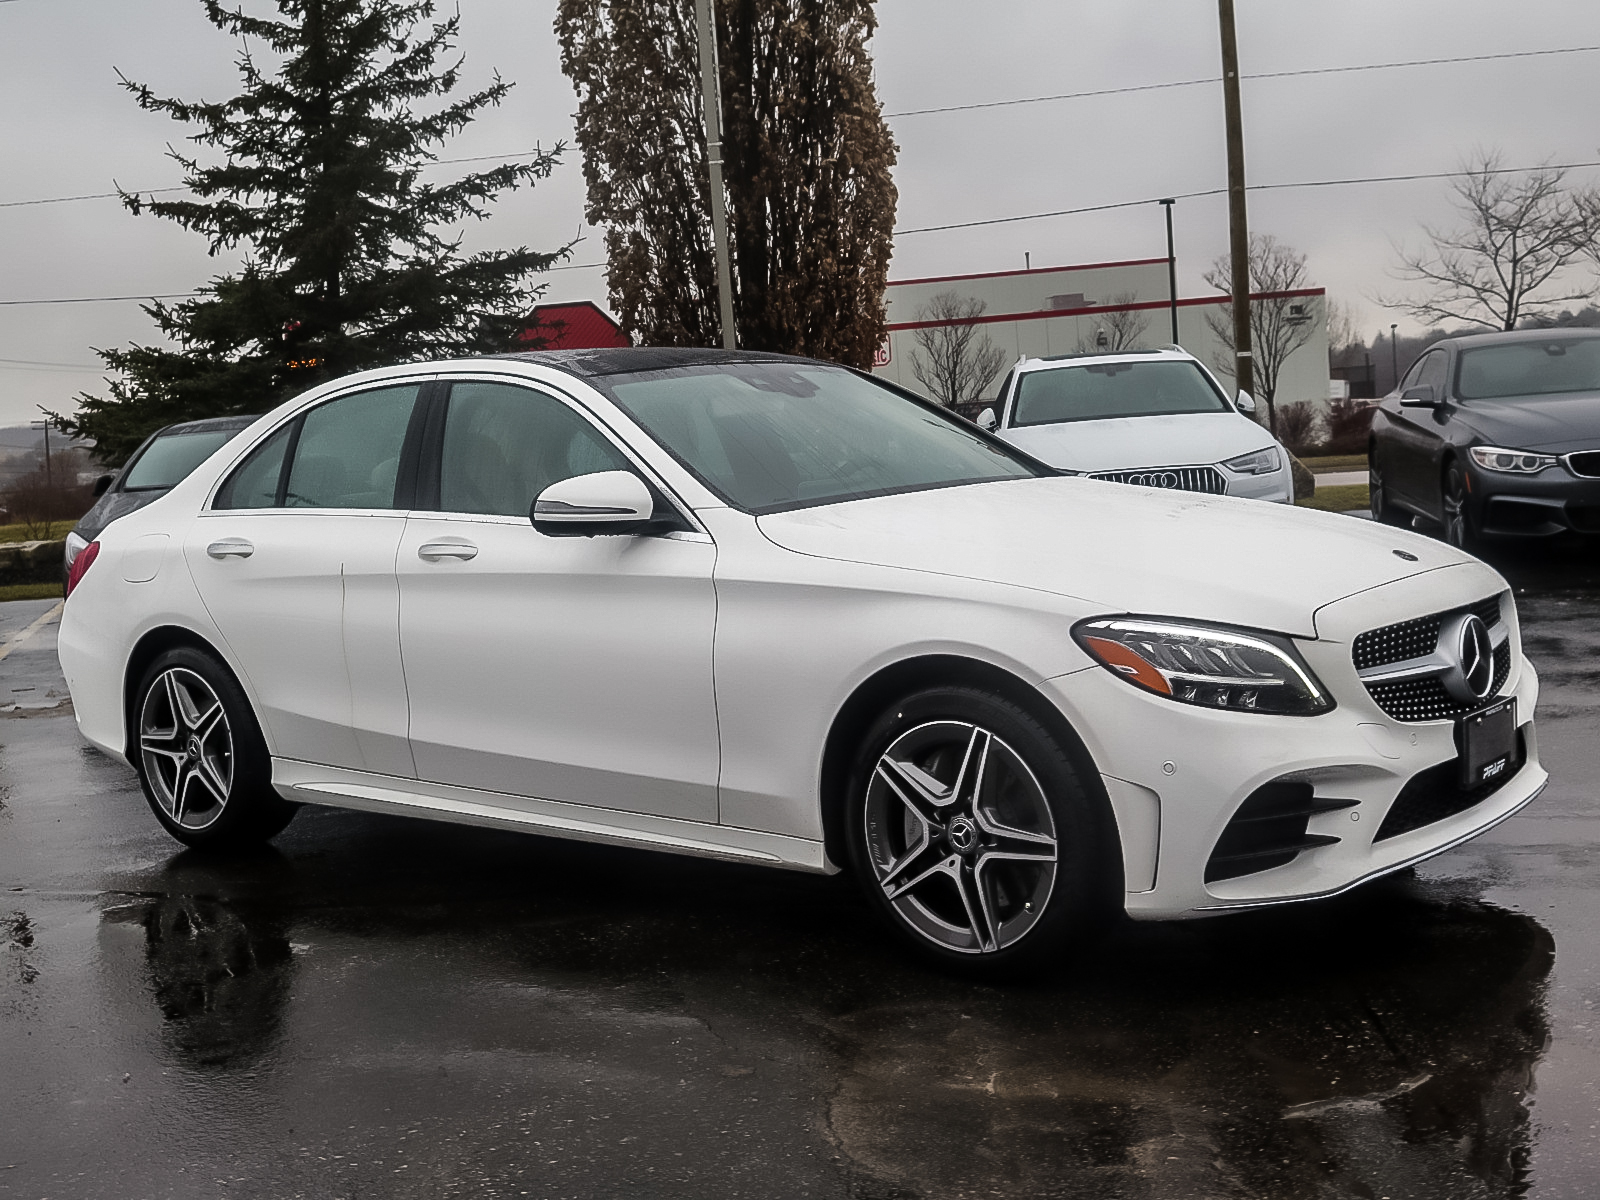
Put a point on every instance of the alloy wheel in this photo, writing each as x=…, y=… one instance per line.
x=960, y=837
x=186, y=747
x=1456, y=530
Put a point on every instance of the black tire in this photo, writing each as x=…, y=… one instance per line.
x=1002, y=884
x=200, y=755
x=1457, y=527
x=1383, y=511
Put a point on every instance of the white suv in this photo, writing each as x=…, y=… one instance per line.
x=1152, y=417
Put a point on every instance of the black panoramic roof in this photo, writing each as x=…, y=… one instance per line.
x=1566, y=334
x=627, y=360
x=209, y=424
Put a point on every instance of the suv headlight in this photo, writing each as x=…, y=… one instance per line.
x=1200, y=664
x=1516, y=462
x=1262, y=462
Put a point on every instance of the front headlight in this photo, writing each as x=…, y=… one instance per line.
x=1199, y=664
x=1516, y=462
x=1262, y=462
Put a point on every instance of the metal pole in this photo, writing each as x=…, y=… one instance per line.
x=1172, y=270
x=1394, y=358
x=711, y=89
x=1238, y=226
x=45, y=425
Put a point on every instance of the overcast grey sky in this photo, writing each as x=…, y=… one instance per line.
x=69, y=129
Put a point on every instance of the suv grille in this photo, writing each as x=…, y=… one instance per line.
x=1425, y=698
x=1585, y=462
x=1183, y=479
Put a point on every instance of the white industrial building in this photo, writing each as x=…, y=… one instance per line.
x=1066, y=310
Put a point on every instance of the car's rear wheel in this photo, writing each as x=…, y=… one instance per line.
x=973, y=836
x=201, y=757
x=1458, y=528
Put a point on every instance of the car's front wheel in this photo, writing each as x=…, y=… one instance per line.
x=1383, y=509
x=1458, y=528
x=974, y=836
x=200, y=755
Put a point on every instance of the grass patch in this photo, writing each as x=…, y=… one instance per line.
x=1343, y=498
x=30, y=591
x=19, y=532
x=1336, y=462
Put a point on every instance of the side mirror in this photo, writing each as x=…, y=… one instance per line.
x=987, y=420
x=1420, y=396
x=1245, y=403
x=602, y=502
x=102, y=484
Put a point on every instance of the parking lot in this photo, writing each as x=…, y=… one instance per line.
x=384, y=1007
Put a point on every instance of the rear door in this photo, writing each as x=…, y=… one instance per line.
x=295, y=564
x=560, y=668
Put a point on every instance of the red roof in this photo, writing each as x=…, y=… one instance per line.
x=578, y=326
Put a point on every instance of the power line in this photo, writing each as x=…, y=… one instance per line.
x=29, y=364
x=102, y=299
x=1183, y=83
x=1254, y=187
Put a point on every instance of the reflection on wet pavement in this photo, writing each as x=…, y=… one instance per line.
x=387, y=1007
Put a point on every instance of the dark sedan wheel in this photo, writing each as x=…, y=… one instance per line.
x=1378, y=496
x=1458, y=529
x=973, y=835
x=201, y=757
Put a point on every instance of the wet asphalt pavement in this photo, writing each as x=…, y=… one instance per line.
x=380, y=1007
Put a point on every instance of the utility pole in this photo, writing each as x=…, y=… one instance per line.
x=45, y=425
x=1172, y=269
x=1238, y=225
x=1394, y=354
x=711, y=88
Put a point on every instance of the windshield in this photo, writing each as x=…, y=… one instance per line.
x=1096, y=391
x=169, y=459
x=773, y=436
x=1537, y=367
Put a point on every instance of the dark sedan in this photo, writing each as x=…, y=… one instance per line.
x=1494, y=434
x=165, y=459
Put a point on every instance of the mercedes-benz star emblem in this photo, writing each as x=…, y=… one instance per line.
x=1464, y=643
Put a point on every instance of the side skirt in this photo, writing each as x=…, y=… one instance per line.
x=336, y=787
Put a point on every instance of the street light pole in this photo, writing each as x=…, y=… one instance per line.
x=711, y=90
x=1172, y=269
x=1238, y=225
x=1394, y=355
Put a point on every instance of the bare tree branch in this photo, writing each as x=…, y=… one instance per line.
x=1518, y=233
x=956, y=359
x=1120, y=328
x=1279, y=325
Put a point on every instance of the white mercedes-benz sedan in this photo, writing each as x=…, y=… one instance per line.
x=776, y=611
x=1154, y=418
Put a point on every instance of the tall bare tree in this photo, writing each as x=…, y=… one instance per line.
x=955, y=359
x=1279, y=324
x=1119, y=328
x=1519, y=231
x=807, y=170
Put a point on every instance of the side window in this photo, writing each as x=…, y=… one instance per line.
x=343, y=454
x=254, y=483
x=1432, y=373
x=504, y=444
x=1410, y=379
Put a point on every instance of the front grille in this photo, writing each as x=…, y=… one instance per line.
x=1182, y=479
x=1269, y=829
x=1424, y=699
x=1436, y=793
x=1585, y=462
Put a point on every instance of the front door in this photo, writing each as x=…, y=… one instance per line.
x=560, y=668
x=295, y=563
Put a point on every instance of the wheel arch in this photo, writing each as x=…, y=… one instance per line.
x=893, y=682
x=152, y=645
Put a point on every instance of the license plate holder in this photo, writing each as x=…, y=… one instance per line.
x=1487, y=743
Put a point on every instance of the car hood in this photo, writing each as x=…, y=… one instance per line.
x=1556, y=424
x=1116, y=444
x=111, y=506
x=1122, y=548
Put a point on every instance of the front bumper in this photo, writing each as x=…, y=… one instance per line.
x=1177, y=774
x=1553, y=501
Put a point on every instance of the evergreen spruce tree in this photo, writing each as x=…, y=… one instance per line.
x=350, y=259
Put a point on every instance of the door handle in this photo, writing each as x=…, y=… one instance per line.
x=230, y=548
x=434, y=551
